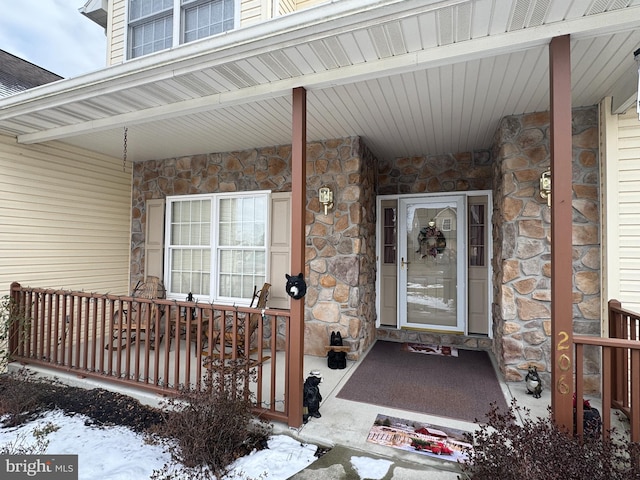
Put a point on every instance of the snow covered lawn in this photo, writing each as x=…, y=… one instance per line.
x=116, y=452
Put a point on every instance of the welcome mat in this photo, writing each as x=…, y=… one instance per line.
x=422, y=438
x=430, y=349
x=462, y=388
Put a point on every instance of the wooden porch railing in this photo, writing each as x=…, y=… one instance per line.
x=620, y=369
x=76, y=332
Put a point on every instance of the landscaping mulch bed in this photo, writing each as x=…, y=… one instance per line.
x=23, y=398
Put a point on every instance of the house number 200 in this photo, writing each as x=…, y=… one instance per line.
x=563, y=362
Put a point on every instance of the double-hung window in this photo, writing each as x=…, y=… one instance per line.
x=150, y=26
x=156, y=25
x=217, y=245
x=205, y=18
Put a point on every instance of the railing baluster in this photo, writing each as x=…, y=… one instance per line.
x=79, y=328
x=50, y=338
x=122, y=329
x=168, y=343
x=606, y=390
x=39, y=321
x=85, y=323
x=635, y=395
x=31, y=339
x=101, y=334
x=56, y=327
x=187, y=335
x=579, y=408
x=176, y=361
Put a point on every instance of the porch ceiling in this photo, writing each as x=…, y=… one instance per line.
x=411, y=77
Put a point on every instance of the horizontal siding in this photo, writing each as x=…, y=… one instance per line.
x=629, y=209
x=251, y=12
x=64, y=218
x=302, y=4
x=116, y=45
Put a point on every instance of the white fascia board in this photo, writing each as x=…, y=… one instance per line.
x=316, y=22
x=295, y=29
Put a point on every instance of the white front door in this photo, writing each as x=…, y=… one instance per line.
x=432, y=263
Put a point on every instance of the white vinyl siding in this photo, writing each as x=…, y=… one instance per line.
x=117, y=26
x=253, y=11
x=64, y=218
x=628, y=209
x=620, y=207
x=302, y=4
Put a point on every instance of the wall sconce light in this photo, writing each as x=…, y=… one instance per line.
x=545, y=186
x=325, y=196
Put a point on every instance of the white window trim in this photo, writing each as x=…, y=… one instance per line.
x=177, y=28
x=215, y=205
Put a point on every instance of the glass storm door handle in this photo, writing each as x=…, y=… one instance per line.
x=403, y=263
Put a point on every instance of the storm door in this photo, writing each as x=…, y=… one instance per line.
x=432, y=263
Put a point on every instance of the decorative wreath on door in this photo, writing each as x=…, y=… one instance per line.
x=431, y=241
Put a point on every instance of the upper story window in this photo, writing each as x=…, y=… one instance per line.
x=150, y=26
x=156, y=25
x=205, y=18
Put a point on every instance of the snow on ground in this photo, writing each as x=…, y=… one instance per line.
x=370, y=468
x=118, y=453
x=114, y=453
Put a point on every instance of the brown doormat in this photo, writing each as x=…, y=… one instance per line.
x=461, y=387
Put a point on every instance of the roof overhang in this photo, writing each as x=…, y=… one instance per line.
x=411, y=77
x=96, y=11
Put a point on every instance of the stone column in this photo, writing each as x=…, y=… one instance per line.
x=521, y=262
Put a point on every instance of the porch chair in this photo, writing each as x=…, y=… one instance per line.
x=139, y=318
x=226, y=337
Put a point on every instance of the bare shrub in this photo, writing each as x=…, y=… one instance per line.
x=21, y=445
x=20, y=397
x=207, y=429
x=537, y=449
x=12, y=318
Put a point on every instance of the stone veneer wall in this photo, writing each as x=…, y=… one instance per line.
x=522, y=229
x=340, y=249
x=436, y=173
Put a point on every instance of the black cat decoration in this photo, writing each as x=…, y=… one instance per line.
x=296, y=286
x=533, y=381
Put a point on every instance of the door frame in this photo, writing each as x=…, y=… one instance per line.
x=489, y=245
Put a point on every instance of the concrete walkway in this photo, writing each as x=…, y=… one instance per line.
x=344, y=427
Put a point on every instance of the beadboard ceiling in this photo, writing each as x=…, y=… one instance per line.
x=411, y=77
